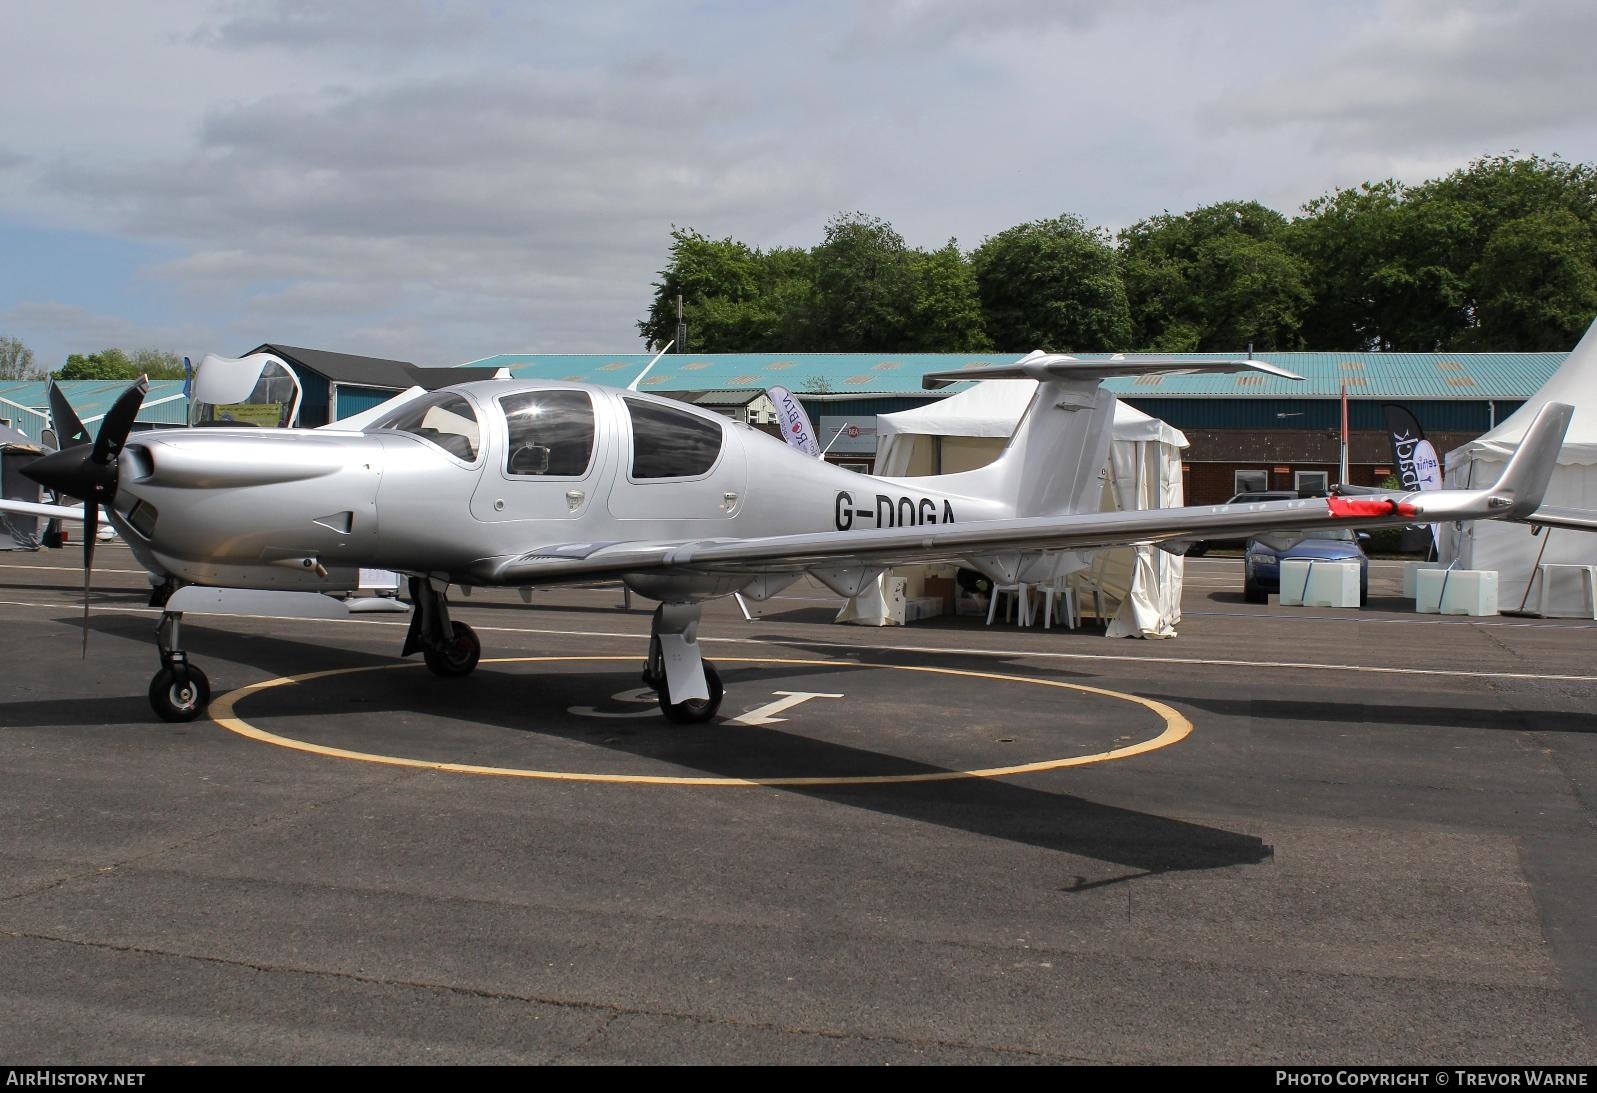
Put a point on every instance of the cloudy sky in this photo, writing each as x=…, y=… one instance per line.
x=440, y=181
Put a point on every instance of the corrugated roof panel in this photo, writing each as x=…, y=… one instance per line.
x=1400, y=376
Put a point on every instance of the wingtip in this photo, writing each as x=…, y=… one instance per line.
x=1530, y=468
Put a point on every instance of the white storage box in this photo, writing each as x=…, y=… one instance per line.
x=1467, y=592
x=1411, y=570
x=1307, y=583
x=1566, y=591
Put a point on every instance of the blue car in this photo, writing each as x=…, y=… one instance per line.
x=1261, y=564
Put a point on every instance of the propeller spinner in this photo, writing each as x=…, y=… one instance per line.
x=87, y=472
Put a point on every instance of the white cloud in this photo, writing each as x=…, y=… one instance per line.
x=1439, y=76
x=80, y=330
x=466, y=178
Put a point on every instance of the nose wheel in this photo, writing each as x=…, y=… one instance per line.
x=179, y=691
x=175, y=701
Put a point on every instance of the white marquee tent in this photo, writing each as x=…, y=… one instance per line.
x=1510, y=549
x=968, y=430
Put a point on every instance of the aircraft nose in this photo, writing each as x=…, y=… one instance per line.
x=73, y=472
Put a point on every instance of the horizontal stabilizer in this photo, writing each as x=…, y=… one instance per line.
x=1058, y=366
x=1571, y=519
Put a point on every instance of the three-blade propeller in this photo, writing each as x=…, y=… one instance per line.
x=87, y=471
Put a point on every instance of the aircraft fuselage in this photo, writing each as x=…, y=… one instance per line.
x=457, y=488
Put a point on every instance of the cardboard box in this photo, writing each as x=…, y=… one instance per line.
x=943, y=589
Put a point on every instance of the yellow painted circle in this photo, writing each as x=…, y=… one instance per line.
x=1176, y=728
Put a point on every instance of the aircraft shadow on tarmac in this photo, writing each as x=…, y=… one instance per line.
x=1144, y=843
x=1354, y=713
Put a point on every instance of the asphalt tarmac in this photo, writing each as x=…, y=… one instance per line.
x=1286, y=836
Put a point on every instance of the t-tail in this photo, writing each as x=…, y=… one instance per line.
x=1053, y=463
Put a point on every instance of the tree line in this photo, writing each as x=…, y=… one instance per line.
x=1497, y=256
x=17, y=363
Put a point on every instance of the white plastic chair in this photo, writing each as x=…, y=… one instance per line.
x=1019, y=597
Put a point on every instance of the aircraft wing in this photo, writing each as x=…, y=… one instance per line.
x=35, y=508
x=1573, y=519
x=1516, y=494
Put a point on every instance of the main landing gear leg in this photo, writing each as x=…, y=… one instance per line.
x=450, y=648
x=689, y=687
x=179, y=691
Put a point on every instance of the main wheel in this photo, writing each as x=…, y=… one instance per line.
x=174, y=703
x=695, y=711
x=459, y=656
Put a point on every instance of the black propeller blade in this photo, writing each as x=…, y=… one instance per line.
x=85, y=472
x=69, y=430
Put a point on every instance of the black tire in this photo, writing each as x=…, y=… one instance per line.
x=1252, y=593
x=695, y=711
x=1364, y=595
x=173, y=703
x=1198, y=549
x=459, y=657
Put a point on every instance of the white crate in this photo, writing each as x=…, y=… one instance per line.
x=1411, y=570
x=1308, y=583
x=1566, y=591
x=1466, y=592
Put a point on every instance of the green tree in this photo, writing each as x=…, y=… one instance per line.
x=114, y=364
x=1217, y=278
x=946, y=316
x=108, y=364
x=1052, y=284
x=158, y=364
x=1535, y=286
x=16, y=360
x=1382, y=269
x=1497, y=255
x=735, y=299
x=864, y=287
x=1526, y=249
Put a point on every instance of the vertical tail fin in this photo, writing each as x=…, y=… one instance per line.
x=1055, y=460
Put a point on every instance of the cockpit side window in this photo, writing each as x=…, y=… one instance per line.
x=445, y=419
x=668, y=443
x=551, y=433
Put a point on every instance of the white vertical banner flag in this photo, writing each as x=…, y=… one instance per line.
x=796, y=428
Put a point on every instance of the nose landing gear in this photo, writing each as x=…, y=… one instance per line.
x=179, y=691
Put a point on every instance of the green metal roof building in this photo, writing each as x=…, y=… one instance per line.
x=1243, y=427
x=26, y=405
x=1448, y=391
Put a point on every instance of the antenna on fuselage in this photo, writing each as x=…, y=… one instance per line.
x=633, y=386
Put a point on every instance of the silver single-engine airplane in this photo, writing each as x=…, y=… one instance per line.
x=530, y=482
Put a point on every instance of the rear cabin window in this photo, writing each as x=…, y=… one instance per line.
x=444, y=419
x=551, y=433
x=669, y=443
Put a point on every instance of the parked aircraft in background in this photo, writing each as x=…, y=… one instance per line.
x=529, y=482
